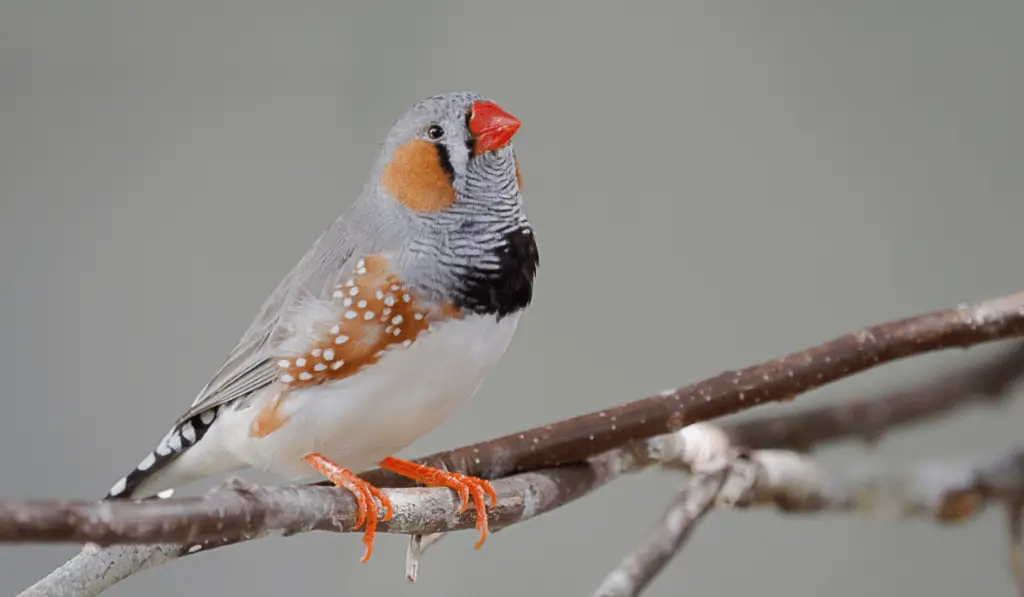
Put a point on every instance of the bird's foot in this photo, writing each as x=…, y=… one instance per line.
x=366, y=508
x=464, y=485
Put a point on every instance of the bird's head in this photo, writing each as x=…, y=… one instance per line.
x=450, y=149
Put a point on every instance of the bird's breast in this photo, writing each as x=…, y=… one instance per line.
x=381, y=409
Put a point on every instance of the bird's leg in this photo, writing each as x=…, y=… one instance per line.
x=366, y=508
x=464, y=485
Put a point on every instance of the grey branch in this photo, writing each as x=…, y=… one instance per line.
x=239, y=512
x=945, y=492
x=624, y=441
x=637, y=570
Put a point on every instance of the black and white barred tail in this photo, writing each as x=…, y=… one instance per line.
x=178, y=440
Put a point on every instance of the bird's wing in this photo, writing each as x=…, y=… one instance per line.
x=251, y=364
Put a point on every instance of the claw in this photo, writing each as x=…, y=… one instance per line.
x=364, y=494
x=467, y=488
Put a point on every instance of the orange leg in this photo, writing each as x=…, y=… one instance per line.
x=366, y=508
x=462, y=484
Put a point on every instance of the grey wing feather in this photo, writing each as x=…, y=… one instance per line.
x=251, y=364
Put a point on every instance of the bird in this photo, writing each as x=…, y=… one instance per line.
x=391, y=320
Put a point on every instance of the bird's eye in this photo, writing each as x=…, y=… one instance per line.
x=435, y=132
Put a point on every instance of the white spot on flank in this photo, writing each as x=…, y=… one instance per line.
x=361, y=304
x=335, y=329
x=188, y=432
x=397, y=319
x=418, y=316
x=337, y=365
x=394, y=288
x=329, y=354
x=319, y=367
x=118, y=487
x=337, y=294
x=300, y=362
x=347, y=302
x=284, y=363
x=397, y=331
x=287, y=378
x=379, y=294
x=350, y=282
x=341, y=339
x=350, y=314
x=361, y=264
x=389, y=300
x=315, y=352
x=406, y=297
x=368, y=315
x=385, y=312
x=147, y=462
x=353, y=291
x=406, y=343
x=305, y=376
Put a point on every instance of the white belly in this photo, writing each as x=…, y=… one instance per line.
x=360, y=420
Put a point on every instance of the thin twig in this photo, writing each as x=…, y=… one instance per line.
x=949, y=492
x=689, y=506
x=418, y=544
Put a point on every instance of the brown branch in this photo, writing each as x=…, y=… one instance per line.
x=580, y=441
x=778, y=380
x=868, y=418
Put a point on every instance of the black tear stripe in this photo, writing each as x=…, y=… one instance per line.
x=508, y=288
x=446, y=161
x=174, y=444
x=470, y=139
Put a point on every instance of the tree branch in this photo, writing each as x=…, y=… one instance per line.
x=637, y=570
x=946, y=492
x=867, y=418
x=778, y=380
x=552, y=465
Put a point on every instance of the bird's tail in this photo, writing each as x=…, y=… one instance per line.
x=157, y=473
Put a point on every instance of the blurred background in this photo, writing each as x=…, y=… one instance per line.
x=750, y=177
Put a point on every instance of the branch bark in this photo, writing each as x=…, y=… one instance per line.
x=945, y=492
x=778, y=380
x=691, y=504
x=549, y=466
x=868, y=418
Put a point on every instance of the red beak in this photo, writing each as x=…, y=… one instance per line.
x=491, y=126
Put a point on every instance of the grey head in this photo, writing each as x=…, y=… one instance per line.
x=444, y=196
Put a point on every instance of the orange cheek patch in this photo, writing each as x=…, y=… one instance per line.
x=415, y=177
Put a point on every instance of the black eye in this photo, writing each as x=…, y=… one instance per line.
x=435, y=132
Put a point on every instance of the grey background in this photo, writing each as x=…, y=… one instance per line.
x=712, y=184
